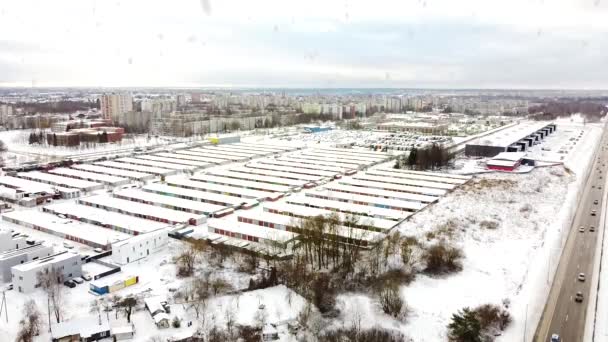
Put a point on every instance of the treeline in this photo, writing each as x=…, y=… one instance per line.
x=433, y=157
x=308, y=118
x=56, y=107
x=555, y=109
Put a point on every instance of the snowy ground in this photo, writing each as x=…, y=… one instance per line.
x=157, y=277
x=20, y=151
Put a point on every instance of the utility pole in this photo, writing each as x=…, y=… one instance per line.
x=526, y=323
x=4, y=305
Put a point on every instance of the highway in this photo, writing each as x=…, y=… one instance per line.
x=562, y=315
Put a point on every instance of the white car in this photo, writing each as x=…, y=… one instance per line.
x=581, y=277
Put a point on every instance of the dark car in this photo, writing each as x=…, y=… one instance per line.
x=69, y=284
x=578, y=297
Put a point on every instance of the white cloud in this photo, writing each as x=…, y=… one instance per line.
x=294, y=43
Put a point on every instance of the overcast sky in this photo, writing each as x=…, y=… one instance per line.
x=306, y=43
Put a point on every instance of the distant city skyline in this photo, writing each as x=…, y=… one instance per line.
x=432, y=44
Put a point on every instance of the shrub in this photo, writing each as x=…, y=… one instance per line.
x=354, y=335
x=391, y=302
x=480, y=324
x=464, y=327
x=176, y=322
x=492, y=317
x=443, y=258
x=487, y=224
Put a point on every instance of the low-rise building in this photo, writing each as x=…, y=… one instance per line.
x=25, y=276
x=15, y=257
x=139, y=247
x=92, y=328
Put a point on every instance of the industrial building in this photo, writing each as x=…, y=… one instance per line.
x=139, y=247
x=146, y=211
x=506, y=161
x=84, y=233
x=90, y=176
x=134, y=175
x=157, y=164
x=236, y=182
x=518, y=138
x=15, y=257
x=158, y=171
x=300, y=211
x=106, y=219
x=25, y=276
x=209, y=201
x=61, y=181
x=179, y=204
x=251, y=232
x=234, y=191
x=350, y=235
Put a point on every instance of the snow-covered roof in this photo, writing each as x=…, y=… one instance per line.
x=180, y=203
x=174, y=160
x=113, y=171
x=250, y=168
x=422, y=187
x=289, y=162
x=86, y=175
x=62, y=227
x=311, y=174
x=327, y=157
x=508, y=163
x=406, y=196
x=511, y=156
x=164, y=165
x=510, y=135
x=345, y=207
x=302, y=211
x=360, y=152
x=60, y=180
x=241, y=183
x=136, y=167
x=26, y=185
x=102, y=216
x=84, y=326
x=371, y=200
x=251, y=230
x=139, y=208
x=421, y=175
x=190, y=157
x=413, y=190
x=223, y=156
x=154, y=306
x=49, y=260
x=347, y=155
x=258, y=178
x=122, y=329
x=222, y=151
x=284, y=220
x=220, y=188
x=152, y=191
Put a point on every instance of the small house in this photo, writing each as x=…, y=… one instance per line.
x=122, y=332
x=83, y=329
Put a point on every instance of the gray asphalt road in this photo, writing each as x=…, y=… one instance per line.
x=562, y=314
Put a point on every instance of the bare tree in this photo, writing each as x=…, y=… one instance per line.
x=128, y=304
x=116, y=299
x=51, y=283
x=391, y=301
x=230, y=317
x=31, y=322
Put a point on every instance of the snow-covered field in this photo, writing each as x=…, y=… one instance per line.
x=513, y=262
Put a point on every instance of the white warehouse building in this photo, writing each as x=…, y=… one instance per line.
x=139, y=247
x=14, y=257
x=25, y=276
